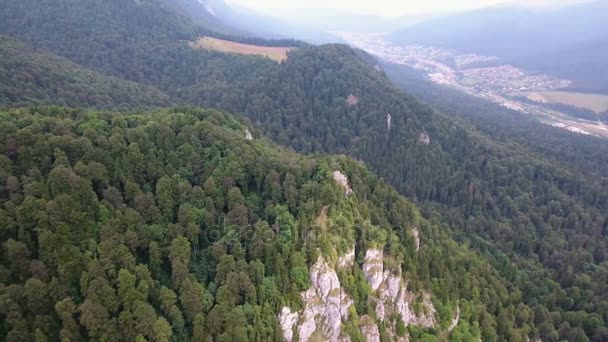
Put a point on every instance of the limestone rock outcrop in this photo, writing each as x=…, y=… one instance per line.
x=347, y=260
x=424, y=138
x=392, y=295
x=326, y=304
x=326, y=307
x=369, y=329
x=416, y=235
x=248, y=134
x=341, y=179
x=352, y=100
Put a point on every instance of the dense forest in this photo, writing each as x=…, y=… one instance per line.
x=172, y=225
x=31, y=77
x=530, y=200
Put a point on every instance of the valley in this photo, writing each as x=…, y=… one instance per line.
x=485, y=77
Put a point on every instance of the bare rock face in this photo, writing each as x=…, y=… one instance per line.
x=341, y=179
x=347, y=260
x=369, y=329
x=287, y=319
x=389, y=120
x=373, y=268
x=424, y=319
x=392, y=296
x=326, y=306
x=424, y=138
x=248, y=134
x=352, y=100
x=416, y=235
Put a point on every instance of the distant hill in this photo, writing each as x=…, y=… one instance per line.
x=568, y=42
x=205, y=13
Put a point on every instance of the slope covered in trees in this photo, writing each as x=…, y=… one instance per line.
x=172, y=225
x=29, y=76
x=541, y=222
x=111, y=36
x=581, y=154
x=135, y=40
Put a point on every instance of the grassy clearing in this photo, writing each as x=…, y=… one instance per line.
x=595, y=102
x=278, y=54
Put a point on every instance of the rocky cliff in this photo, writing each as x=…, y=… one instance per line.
x=326, y=307
x=327, y=304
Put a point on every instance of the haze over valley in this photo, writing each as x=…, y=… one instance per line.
x=487, y=78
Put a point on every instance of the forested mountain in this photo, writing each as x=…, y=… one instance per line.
x=541, y=223
x=110, y=36
x=142, y=41
x=568, y=42
x=31, y=77
x=173, y=225
x=581, y=154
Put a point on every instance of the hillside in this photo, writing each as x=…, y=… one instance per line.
x=112, y=36
x=173, y=225
x=539, y=222
x=33, y=77
x=582, y=155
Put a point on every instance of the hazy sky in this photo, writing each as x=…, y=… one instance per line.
x=387, y=8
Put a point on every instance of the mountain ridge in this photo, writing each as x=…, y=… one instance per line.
x=155, y=253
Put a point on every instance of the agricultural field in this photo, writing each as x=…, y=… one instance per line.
x=278, y=54
x=595, y=102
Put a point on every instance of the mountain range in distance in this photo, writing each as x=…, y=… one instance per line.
x=566, y=45
x=567, y=42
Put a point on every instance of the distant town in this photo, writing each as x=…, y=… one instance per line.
x=481, y=76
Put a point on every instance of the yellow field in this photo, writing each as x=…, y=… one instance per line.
x=595, y=102
x=278, y=54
